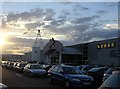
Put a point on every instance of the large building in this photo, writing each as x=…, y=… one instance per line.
x=56, y=53
x=105, y=52
x=12, y=57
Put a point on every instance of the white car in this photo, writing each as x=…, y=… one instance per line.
x=34, y=70
x=3, y=86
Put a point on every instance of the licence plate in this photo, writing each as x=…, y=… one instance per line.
x=86, y=83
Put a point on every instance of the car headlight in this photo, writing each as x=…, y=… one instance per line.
x=76, y=80
x=91, y=78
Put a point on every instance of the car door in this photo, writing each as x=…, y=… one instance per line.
x=54, y=73
x=26, y=68
x=60, y=74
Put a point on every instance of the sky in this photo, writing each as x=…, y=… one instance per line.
x=69, y=22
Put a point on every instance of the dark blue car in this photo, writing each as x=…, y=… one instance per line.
x=70, y=76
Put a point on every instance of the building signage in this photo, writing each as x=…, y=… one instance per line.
x=106, y=45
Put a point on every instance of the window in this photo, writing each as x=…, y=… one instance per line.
x=55, y=69
x=60, y=69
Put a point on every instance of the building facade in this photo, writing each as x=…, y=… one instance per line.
x=56, y=53
x=105, y=52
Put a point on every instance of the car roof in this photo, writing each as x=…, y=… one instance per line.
x=33, y=64
x=98, y=68
x=64, y=65
x=113, y=81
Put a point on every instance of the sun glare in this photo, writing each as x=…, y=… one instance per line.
x=2, y=41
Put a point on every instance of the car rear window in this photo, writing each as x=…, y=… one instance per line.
x=71, y=70
x=35, y=67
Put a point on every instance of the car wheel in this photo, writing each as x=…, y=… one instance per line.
x=67, y=84
x=30, y=74
x=25, y=73
x=50, y=80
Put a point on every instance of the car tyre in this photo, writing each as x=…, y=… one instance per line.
x=67, y=84
x=30, y=74
x=50, y=80
x=25, y=73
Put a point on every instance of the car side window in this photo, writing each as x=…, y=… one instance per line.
x=55, y=69
x=60, y=69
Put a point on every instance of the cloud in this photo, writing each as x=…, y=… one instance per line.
x=85, y=19
x=66, y=3
x=102, y=12
x=34, y=25
x=37, y=13
x=78, y=7
x=64, y=25
x=111, y=26
x=49, y=14
x=96, y=34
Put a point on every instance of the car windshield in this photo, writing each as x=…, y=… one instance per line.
x=35, y=67
x=109, y=71
x=71, y=70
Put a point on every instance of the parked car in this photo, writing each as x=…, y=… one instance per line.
x=97, y=74
x=85, y=68
x=109, y=72
x=14, y=65
x=34, y=70
x=3, y=63
x=70, y=76
x=113, y=82
x=10, y=65
x=20, y=67
x=3, y=86
x=46, y=67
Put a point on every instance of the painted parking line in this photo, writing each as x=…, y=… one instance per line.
x=19, y=75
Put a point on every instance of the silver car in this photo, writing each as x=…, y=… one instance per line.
x=3, y=86
x=34, y=70
x=112, y=82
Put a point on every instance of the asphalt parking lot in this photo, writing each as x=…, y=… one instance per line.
x=15, y=80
